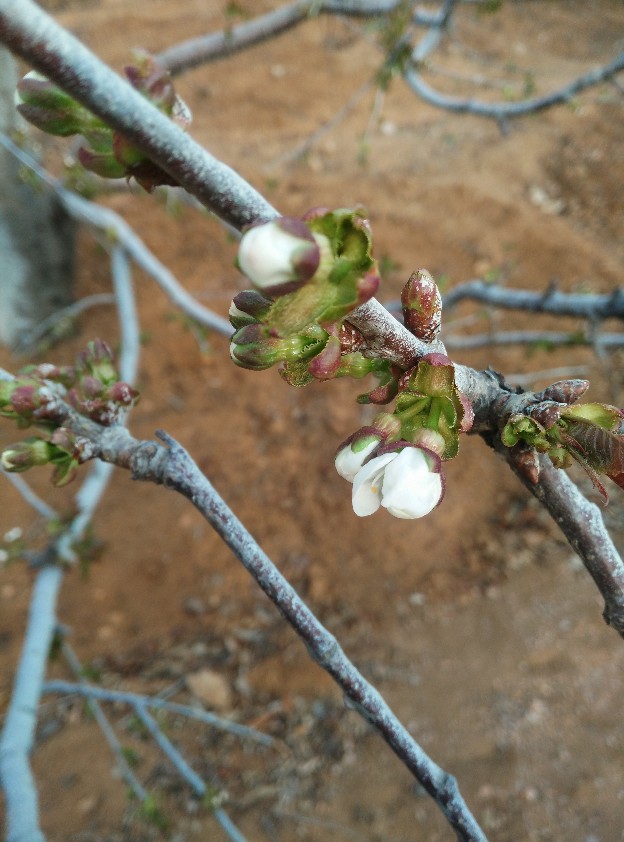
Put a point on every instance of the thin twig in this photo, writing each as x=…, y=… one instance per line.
x=105, y=694
x=217, y=45
x=532, y=337
x=175, y=469
x=36, y=37
x=586, y=305
x=118, y=230
x=584, y=529
x=30, y=338
x=506, y=110
x=17, y=738
x=106, y=728
x=30, y=497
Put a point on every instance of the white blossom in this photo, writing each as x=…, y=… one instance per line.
x=404, y=482
x=350, y=458
x=279, y=254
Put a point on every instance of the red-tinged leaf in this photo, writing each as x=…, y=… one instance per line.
x=602, y=450
x=618, y=478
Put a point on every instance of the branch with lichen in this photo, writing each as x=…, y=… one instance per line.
x=385, y=346
x=171, y=466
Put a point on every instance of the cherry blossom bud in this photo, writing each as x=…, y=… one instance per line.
x=280, y=256
x=422, y=306
x=49, y=108
x=248, y=307
x=407, y=481
x=26, y=454
x=353, y=453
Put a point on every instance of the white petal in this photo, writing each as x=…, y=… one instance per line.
x=410, y=488
x=348, y=462
x=367, y=485
x=265, y=254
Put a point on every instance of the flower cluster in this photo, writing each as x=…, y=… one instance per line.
x=592, y=434
x=406, y=479
x=396, y=462
x=308, y=274
x=33, y=399
x=104, y=151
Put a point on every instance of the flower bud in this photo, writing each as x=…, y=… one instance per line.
x=280, y=256
x=248, y=307
x=26, y=454
x=407, y=481
x=49, y=108
x=103, y=164
x=422, y=306
x=355, y=451
x=564, y=391
x=97, y=359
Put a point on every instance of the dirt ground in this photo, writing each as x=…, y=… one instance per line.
x=478, y=624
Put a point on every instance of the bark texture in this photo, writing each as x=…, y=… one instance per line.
x=36, y=236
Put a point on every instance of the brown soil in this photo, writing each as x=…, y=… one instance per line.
x=477, y=623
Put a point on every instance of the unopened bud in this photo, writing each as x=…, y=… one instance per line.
x=353, y=452
x=280, y=256
x=26, y=454
x=422, y=306
x=564, y=391
x=248, y=307
x=49, y=108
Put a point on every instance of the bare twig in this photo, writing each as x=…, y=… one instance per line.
x=506, y=110
x=174, y=468
x=32, y=34
x=104, y=694
x=106, y=728
x=217, y=45
x=47, y=326
x=588, y=306
x=584, y=529
x=118, y=230
x=548, y=338
x=29, y=496
x=17, y=739
x=17, y=736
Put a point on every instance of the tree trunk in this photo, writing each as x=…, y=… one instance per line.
x=37, y=248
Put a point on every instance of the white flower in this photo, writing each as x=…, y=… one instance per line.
x=349, y=458
x=404, y=482
x=279, y=256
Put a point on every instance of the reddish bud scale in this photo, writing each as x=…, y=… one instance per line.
x=546, y=413
x=351, y=339
x=526, y=462
x=564, y=391
x=422, y=306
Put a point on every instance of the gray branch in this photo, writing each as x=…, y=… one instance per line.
x=217, y=45
x=172, y=467
x=594, y=307
x=17, y=739
x=34, y=36
x=506, y=110
x=117, y=229
x=549, y=338
x=104, y=694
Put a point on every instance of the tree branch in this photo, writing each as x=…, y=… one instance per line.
x=118, y=230
x=588, y=306
x=547, y=338
x=506, y=110
x=217, y=45
x=34, y=36
x=172, y=467
x=583, y=526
